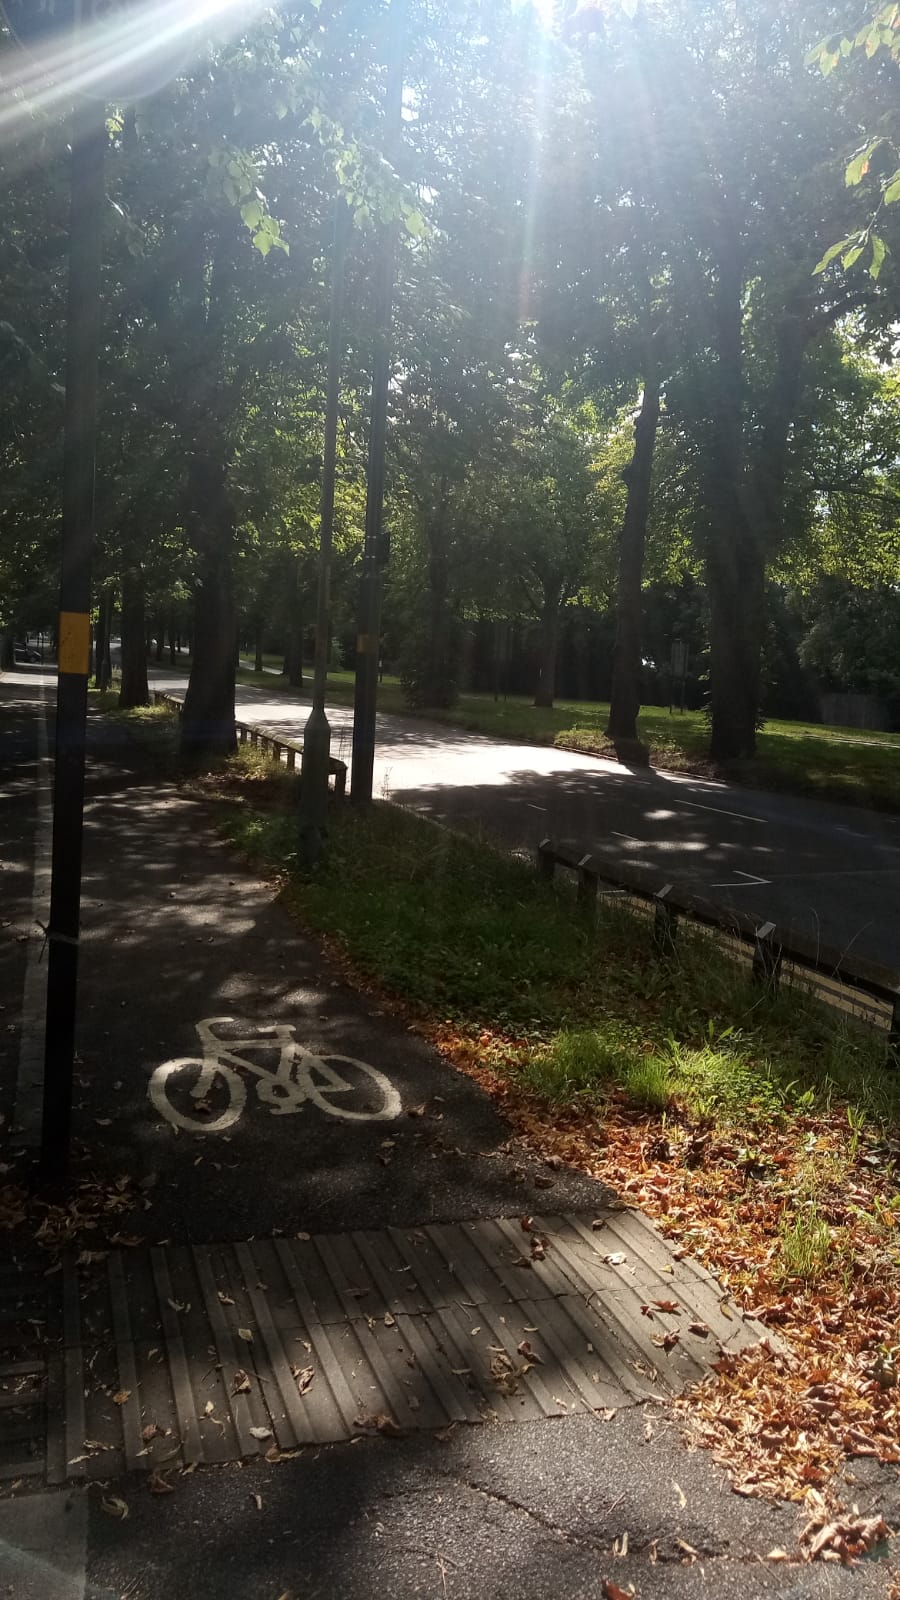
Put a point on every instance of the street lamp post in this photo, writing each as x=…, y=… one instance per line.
x=313, y=821
x=369, y=630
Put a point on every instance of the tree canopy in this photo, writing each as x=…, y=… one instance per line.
x=643, y=343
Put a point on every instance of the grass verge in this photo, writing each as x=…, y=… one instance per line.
x=760, y=1133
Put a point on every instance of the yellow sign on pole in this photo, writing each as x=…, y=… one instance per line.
x=75, y=642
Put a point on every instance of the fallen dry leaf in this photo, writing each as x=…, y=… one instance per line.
x=240, y=1383
x=666, y=1341
x=525, y=1349
x=274, y=1453
x=114, y=1507
x=304, y=1377
x=379, y=1422
x=152, y=1431
x=611, y=1591
x=157, y=1484
x=121, y=1396
x=246, y=1335
x=261, y=1433
x=225, y=1299
x=846, y=1538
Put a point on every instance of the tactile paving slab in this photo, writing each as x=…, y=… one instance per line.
x=166, y=1357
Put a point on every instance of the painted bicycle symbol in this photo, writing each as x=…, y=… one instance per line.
x=207, y=1094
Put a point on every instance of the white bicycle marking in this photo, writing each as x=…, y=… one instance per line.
x=200, y=1082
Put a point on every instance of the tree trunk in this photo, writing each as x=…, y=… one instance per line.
x=546, y=688
x=625, y=700
x=293, y=655
x=160, y=640
x=172, y=637
x=135, y=690
x=258, y=633
x=102, y=661
x=735, y=559
x=7, y=650
x=207, y=722
x=736, y=587
x=440, y=681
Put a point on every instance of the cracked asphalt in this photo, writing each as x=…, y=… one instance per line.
x=532, y=1512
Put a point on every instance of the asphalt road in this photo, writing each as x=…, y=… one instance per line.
x=827, y=871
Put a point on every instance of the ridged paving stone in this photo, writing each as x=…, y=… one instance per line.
x=167, y=1357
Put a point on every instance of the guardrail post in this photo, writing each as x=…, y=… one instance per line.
x=665, y=921
x=767, y=958
x=545, y=859
x=894, y=1034
x=291, y=758
x=340, y=781
x=587, y=883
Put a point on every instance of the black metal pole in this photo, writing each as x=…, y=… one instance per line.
x=317, y=733
x=82, y=343
x=369, y=632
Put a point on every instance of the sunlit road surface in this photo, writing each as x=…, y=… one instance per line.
x=829, y=871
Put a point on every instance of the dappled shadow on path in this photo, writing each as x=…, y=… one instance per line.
x=175, y=931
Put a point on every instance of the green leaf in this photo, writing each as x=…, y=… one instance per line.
x=263, y=241
x=892, y=192
x=879, y=251
x=414, y=223
x=830, y=255
x=251, y=213
x=852, y=256
x=859, y=166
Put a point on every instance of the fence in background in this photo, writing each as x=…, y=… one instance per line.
x=278, y=749
x=864, y=988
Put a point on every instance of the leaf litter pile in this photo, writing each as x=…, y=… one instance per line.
x=801, y=1227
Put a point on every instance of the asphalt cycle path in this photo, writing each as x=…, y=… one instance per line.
x=264, y=1111
x=828, y=872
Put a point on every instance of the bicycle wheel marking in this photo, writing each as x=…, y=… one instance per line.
x=207, y=1093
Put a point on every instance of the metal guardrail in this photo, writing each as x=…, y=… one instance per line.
x=836, y=980
x=276, y=748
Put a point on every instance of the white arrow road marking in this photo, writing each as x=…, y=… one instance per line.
x=751, y=881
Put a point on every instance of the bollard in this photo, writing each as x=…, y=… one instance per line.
x=588, y=883
x=767, y=958
x=545, y=860
x=665, y=922
x=893, y=1056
